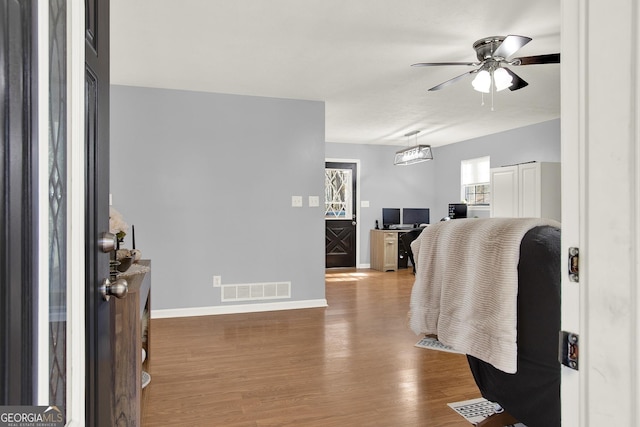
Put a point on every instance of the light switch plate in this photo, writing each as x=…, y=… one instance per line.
x=314, y=201
x=296, y=201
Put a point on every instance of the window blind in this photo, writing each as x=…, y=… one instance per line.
x=475, y=171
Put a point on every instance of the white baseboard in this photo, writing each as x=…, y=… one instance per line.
x=237, y=308
x=364, y=266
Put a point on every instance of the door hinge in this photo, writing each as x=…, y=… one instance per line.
x=574, y=261
x=568, y=353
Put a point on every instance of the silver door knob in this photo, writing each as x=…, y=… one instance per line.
x=107, y=242
x=118, y=289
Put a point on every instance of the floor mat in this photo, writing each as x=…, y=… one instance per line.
x=474, y=410
x=433, y=344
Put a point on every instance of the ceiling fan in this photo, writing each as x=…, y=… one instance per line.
x=493, y=58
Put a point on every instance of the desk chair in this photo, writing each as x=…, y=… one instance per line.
x=406, y=240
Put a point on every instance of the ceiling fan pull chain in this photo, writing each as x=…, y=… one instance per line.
x=493, y=89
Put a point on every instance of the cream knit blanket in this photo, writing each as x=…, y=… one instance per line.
x=466, y=285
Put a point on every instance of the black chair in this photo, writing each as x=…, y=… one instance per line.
x=406, y=239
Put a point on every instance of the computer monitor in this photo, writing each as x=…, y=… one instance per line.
x=457, y=210
x=415, y=216
x=390, y=216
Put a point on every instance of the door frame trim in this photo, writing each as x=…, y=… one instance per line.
x=75, y=410
x=76, y=385
x=358, y=167
x=42, y=327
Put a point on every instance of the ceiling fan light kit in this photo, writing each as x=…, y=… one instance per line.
x=502, y=79
x=482, y=82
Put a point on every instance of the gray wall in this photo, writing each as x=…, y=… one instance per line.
x=207, y=181
x=200, y=210
x=540, y=142
x=435, y=184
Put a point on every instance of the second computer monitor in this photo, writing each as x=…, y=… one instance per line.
x=415, y=216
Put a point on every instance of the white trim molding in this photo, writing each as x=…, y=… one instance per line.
x=237, y=309
x=76, y=377
x=43, y=204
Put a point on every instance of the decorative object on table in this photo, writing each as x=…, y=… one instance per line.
x=125, y=263
x=117, y=225
x=124, y=258
x=146, y=379
x=122, y=253
x=135, y=253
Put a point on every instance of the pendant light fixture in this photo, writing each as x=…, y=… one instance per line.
x=415, y=154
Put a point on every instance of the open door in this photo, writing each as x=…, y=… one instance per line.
x=18, y=215
x=100, y=323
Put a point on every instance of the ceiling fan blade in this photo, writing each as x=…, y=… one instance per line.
x=517, y=82
x=510, y=45
x=436, y=64
x=453, y=80
x=550, y=58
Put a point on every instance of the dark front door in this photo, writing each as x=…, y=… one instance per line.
x=99, y=313
x=340, y=214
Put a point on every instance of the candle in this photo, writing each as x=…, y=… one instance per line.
x=133, y=237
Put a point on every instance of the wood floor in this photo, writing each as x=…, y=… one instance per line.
x=351, y=364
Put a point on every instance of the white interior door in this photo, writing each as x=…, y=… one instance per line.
x=601, y=209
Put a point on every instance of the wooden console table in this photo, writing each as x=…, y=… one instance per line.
x=132, y=329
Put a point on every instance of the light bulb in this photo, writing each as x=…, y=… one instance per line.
x=482, y=82
x=502, y=79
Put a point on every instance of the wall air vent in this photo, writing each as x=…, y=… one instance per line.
x=256, y=291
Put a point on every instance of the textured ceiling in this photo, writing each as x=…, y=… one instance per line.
x=354, y=55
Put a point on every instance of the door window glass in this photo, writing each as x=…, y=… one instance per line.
x=57, y=203
x=337, y=194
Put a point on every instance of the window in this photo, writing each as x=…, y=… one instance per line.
x=474, y=177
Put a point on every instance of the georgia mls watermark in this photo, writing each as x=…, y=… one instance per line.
x=31, y=416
